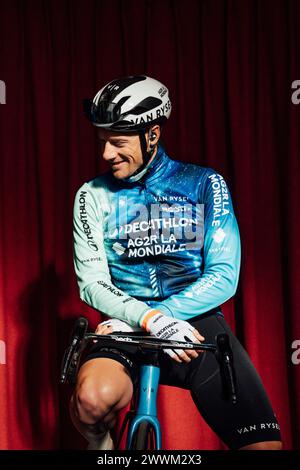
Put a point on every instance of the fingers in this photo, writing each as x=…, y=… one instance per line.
x=180, y=355
x=103, y=329
x=187, y=355
x=199, y=339
x=198, y=335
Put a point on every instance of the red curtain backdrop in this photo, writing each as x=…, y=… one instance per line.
x=229, y=66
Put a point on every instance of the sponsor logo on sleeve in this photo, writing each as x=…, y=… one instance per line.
x=219, y=235
x=111, y=288
x=221, y=202
x=84, y=221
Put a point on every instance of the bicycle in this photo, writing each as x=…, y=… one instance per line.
x=144, y=430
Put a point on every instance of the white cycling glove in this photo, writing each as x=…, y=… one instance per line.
x=119, y=325
x=164, y=327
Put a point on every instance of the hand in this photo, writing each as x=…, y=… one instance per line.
x=113, y=324
x=164, y=327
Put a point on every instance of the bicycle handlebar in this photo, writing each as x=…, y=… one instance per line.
x=79, y=339
x=149, y=342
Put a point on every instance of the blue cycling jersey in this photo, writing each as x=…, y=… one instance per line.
x=169, y=241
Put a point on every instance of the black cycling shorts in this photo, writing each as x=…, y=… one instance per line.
x=248, y=421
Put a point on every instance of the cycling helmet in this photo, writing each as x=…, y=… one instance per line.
x=130, y=104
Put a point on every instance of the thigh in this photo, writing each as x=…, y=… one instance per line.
x=204, y=366
x=123, y=355
x=252, y=418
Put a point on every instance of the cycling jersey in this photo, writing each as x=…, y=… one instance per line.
x=169, y=241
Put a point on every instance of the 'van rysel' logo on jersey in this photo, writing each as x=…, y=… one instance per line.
x=170, y=198
x=83, y=218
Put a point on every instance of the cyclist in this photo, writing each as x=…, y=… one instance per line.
x=157, y=248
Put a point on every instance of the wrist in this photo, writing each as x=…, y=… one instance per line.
x=149, y=316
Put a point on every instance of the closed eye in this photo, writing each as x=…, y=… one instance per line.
x=118, y=143
x=115, y=143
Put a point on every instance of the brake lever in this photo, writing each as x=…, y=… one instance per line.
x=72, y=353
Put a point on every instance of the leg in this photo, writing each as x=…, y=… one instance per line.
x=267, y=445
x=103, y=388
x=250, y=424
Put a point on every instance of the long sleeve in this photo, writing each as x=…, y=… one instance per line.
x=221, y=255
x=91, y=267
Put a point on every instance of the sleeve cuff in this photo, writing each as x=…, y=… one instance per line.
x=146, y=317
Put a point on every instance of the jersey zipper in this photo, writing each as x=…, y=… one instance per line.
x=156, y=264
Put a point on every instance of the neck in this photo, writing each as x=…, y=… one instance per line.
x=140, y=173
x=153, y=155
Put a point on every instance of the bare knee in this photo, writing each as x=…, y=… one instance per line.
x=90, y=402
x=266, y=445
x=98, y=397
x=95, y=400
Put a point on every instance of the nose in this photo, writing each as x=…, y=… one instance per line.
x=108, y=151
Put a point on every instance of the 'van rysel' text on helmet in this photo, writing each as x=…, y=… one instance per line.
x=129, y=104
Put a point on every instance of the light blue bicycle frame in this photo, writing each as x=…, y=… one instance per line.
x=147, y=409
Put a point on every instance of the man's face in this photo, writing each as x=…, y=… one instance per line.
x=122, y=152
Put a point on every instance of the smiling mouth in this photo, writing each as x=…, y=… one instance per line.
x=116, y=164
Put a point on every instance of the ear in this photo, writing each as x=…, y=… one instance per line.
x=153, y=136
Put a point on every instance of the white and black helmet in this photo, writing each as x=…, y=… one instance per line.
x=129, y=104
